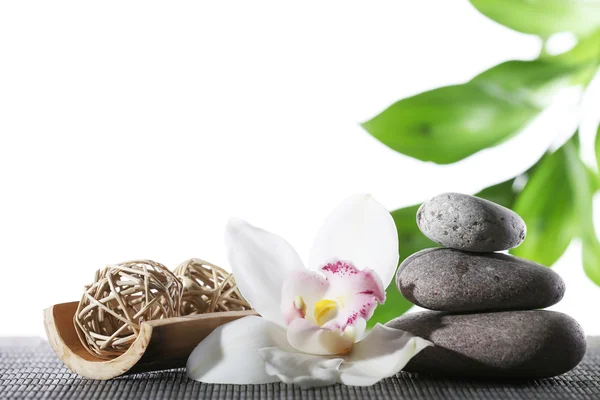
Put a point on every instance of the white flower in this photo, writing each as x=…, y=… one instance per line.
x=313, y=320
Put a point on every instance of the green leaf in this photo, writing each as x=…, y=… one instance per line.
x=412, y=240
x=598, y=148
x=448, y=124
x=502, y=193
x=579, y=180
x=528, y=82
x=546, y=206
x=591, y=258
x=585, y=56
x=594, y=179
x=587, y=51
x=543, y=17
x=556, y=205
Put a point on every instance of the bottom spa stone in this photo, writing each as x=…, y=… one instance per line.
x=509, y=344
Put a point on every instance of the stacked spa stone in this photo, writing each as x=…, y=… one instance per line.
x=486, y=320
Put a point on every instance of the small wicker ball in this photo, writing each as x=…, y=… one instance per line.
x=123, y=296
x=208, y=288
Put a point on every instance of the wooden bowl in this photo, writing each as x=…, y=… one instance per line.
x=161, y=344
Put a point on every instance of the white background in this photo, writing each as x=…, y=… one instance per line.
x=135, y=130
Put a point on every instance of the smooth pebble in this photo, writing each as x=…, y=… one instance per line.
x=509, y=344
x=452, y=280
x=465, y=222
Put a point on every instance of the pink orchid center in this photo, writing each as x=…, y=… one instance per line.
x=339, y=298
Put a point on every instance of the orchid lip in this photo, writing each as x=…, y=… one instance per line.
x=334, y=298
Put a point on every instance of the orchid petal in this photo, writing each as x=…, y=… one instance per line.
x=307, y=337
x=383, y=353
x=357, y=293
x=230, y=353
x=362, y=232
x=309, y=286
x=304, y=370
x=260, y=262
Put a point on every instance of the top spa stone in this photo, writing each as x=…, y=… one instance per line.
x=464, y=222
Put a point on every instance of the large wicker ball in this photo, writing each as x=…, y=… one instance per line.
x=208, y=288
x=123, y=296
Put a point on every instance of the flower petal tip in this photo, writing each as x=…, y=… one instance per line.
x=235, y=225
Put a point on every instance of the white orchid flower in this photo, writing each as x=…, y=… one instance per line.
x=313, y=320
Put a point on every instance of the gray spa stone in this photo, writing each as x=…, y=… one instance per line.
x=509, y=344
x=458, y=281
x=464, y=222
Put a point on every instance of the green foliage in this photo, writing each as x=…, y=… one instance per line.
x=594, y=180
x=556, y=205
x=579, y=184
x=503, y=193
x=585, y=57
x=546, y=206
x=529, y=82
x=598, y=148
x=543, y=17
x=591, y=258
x=448, y=124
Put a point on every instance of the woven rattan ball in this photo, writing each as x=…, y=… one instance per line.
x=123, y=296
x=208, y=288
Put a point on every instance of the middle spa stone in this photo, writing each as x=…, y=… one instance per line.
x=456, y=281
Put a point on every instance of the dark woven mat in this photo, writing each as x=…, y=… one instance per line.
x=30, y=370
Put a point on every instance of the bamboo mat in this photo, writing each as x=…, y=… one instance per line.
x=29, y=369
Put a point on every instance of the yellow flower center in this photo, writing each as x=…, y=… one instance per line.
x=325, y=310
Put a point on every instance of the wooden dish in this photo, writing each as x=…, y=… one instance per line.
x=161, y=344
